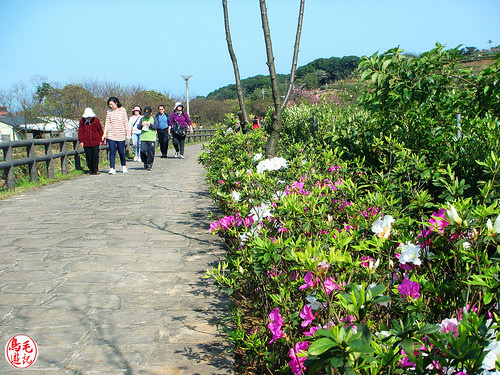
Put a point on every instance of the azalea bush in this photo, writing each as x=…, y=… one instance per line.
x=360, y=258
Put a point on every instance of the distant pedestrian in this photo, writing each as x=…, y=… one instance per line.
x=90, y=136
x=162, y=119
x=116, y=130
x=255, y=122
x=148, y=126
x=179, y=125
x=133, y=121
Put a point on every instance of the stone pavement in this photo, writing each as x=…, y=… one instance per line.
x=106, y=273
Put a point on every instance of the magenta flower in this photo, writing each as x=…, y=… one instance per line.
x=331, y=285
x=226, y=222
x=249, y=221
x=309, y=281
x=439, y=221
x=365, y=261
x=312, y=330
x=449, y=325
x=297, y=363
x=214, y=225
x=409, y=289
x=276, y=325
x=307, y=315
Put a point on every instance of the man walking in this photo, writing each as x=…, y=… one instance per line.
x=162, y=120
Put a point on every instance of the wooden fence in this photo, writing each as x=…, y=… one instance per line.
x=74, y=150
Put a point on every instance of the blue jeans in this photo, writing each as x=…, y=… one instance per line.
x=113, y=145
x=136, y=141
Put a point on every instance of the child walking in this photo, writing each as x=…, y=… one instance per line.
x=148, y=126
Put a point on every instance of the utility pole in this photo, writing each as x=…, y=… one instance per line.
x=186, y=78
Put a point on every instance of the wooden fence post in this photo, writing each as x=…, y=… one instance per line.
x=64, y=158
x=30, y=153
x=10, y=182
x=49, y=163
x=76, y=147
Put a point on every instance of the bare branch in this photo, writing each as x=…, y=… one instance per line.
x=295, y=55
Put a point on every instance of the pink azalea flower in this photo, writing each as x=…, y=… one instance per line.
x=275, y=325
x=312, y=330
x=449, y=325
x=365, y=261
x=307, y=315
x=214, y=225
x=331, y=285
x=248, y=221
x=409, y=289
x=309, y=281
x=297, y=363
x=439, y=221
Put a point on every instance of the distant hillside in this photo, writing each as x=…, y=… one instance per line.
x=312, y=75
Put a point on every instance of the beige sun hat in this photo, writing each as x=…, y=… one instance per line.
x=88, y=112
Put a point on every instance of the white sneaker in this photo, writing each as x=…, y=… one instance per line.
x=176, y=155
x=136, y=158
x=181, y=156
x=124, y=169
x=112, y=171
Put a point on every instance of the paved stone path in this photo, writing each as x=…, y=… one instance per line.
x=106, y=273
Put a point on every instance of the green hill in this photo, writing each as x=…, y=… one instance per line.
x=313, y=75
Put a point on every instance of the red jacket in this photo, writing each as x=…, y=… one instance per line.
x=90, y=134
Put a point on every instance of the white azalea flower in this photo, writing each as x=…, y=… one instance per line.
x=493, y=228
x=260, y=212
x=257, y=157
x=273, y=164
x=236, y=196
x=313, y=302
x=278, y=195
x=453, y=214
x=410, y=253
x=382, y=227
x=493, y=356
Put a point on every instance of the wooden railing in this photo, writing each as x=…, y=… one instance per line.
x=10, y=161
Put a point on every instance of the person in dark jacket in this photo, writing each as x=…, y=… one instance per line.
x=90, y=135
x=179, y=125
x=162, y=119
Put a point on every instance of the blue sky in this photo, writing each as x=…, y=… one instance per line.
x=151, y=43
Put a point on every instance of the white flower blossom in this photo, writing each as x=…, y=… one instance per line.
x=278, y=195
x=257, y=157
x=493, y=356
x=382, y=227
x=236, y=196
x=493, y=228
x=453, y=214
x=410, y=253
x=313, y=302
x=273, y=164
x=260, y=212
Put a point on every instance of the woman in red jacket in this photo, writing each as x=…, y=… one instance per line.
x=90, y=134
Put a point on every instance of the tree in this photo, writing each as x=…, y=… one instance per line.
x=239, y=90
x=272, y=141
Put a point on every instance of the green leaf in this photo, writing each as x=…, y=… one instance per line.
x=320, y=346
x=408, y=346
x=429, y=328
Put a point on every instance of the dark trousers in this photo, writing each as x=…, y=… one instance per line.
x=147, y=153
x=178, y=142
x=92, y=157
x=163, y=140
x=113, y=145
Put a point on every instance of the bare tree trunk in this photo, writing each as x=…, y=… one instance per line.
x=272, y=141
x=295, y=55
x=239, y=90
